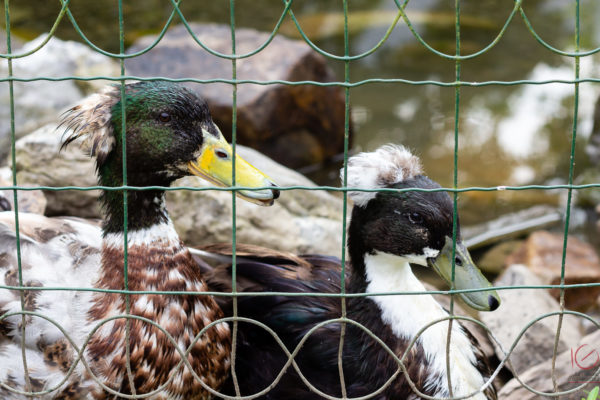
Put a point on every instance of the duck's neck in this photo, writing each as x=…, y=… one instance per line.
x=406, y=315
x=157, y=260
x=145, y=209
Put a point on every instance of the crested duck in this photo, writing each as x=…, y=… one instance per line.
x=389, y=231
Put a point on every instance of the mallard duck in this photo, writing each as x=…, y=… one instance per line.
x=388, y=232
x=170, y=134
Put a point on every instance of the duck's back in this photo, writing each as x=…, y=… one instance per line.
x=57, y=253
x=259, y=357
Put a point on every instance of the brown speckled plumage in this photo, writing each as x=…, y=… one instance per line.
x=70, y=248
x=182, y=316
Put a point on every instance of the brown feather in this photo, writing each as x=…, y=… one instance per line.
x=182, y=316
x=91, y=121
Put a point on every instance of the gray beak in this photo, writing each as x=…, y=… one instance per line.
x=466, y=276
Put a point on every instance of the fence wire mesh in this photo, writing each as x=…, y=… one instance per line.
x=287, y=11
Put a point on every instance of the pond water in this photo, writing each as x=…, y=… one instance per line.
x=508, y=135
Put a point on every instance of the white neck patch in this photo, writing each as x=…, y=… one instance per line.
x=162, y=234
x=421, y=259
x=407, y=314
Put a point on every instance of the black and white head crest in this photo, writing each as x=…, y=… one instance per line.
x=91, y=121
x=381, y=168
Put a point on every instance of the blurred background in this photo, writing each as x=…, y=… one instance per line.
x=509, y=135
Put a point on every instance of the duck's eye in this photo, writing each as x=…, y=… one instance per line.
x=221, y=153
x=415, y=218
x=164, y=117
x=458, y=262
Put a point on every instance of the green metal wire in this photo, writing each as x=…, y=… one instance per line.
x=568, y=206
x=125, y=205
x=303, y=83
x=345, y=204
x=292, y=294
x=235, y=326
x=455, y=194
x=15, y=195
x=314, y=188
x=287, y=11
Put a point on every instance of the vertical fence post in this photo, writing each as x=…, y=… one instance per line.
x=15, y=192
x=235, y=327
x=569, y=199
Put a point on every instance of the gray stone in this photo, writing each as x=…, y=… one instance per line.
x=40, y=162
x=295, y=125
x=15, y=42
x=31, y=201
x=300, y=221
x=39, y=102
x=510, y=226
x=574, y=367
x=493, y=260
x=542, y=253
x=518, y=308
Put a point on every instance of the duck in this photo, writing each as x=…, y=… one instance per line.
x=389, y=232
x=169, y=134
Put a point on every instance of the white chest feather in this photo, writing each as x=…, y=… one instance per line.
x=162, y=234
x=408, y=314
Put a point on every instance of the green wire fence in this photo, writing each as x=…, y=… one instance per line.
x=287, y=11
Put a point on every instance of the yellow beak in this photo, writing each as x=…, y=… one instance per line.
x=215, y=165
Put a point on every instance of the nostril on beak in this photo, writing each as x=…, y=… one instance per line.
x=493, y=302
x=276, y=192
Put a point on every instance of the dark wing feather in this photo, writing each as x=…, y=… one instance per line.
x=261, y=270
x=260, y=358
x=482, y=364
x=265, y=270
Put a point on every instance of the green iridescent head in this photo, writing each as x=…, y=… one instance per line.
x=169, y=134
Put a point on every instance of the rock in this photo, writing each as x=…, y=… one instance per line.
x=40, y=162
x=493, y=260
x=295, y=125
x=40, y=102
x=512, y=225
x=542, y=253
x=571, y=371
x=15, y=42
x=301, y=221
x=31, y=201
x=518, y=308
x=588, y=326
